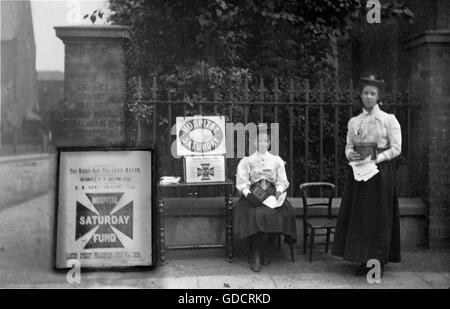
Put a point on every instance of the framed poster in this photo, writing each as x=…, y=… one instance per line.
x=200, y=135
x=104, y=207
x=201, y=169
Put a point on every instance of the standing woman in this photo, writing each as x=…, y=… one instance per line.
x=252, y=218
x=369, y=224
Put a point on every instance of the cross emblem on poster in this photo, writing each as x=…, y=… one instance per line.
x=205, y=171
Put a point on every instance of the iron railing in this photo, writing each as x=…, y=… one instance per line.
x=313, y=125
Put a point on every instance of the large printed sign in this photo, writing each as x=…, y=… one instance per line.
x=104, y=208
x=200, y=135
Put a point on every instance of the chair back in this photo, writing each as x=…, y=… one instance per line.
x=329, y=189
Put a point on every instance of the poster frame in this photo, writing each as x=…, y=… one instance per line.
x=153, y=206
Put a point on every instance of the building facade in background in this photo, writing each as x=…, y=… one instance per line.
x=20, y=124
x=50, y=98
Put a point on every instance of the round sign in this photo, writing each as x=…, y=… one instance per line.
x=200, y=135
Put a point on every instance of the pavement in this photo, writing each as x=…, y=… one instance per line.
x=26, y=262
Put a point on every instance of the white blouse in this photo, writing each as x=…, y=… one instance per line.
x=259, y=166
x=376, y=126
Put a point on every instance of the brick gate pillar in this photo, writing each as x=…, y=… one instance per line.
x=430, y=78
x=95, y=89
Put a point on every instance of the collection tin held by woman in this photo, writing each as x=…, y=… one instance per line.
x=369, y=224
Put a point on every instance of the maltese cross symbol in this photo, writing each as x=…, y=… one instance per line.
x=205, y=171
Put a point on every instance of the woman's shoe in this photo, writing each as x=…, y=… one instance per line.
x=361, y=270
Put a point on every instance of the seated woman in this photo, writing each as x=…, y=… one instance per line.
x=252, y=218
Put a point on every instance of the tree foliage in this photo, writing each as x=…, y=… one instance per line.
x=268, y=37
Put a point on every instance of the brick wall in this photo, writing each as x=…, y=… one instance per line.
x=420, y=118
x=201, y=221
x=439, y=143
x=50, y=95
x=430, y=54
x=93, y=112
x=443, y=14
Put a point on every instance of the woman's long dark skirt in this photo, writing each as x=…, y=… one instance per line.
x=369, y=223
x=249, y=220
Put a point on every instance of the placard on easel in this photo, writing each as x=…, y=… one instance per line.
x=201, y=142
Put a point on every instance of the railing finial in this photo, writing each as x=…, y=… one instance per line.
x=261, y=89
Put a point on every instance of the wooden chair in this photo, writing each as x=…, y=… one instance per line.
x=322, y=221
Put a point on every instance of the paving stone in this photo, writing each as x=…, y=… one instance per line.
x=255, y=281
x=180, y=283
x=435, y=280
x=311, y=281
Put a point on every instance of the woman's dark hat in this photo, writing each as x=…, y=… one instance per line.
x=372, y=80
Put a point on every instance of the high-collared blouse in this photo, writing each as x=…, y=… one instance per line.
x=376, y=126
x=259, y=166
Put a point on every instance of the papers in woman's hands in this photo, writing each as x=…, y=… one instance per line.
x=272, y=201
x=364, y=170
x=167, y=180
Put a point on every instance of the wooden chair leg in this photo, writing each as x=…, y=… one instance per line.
x=328, y=240
x=305, y=239
x=291, y=248
x=311, y=245
x=249, y=258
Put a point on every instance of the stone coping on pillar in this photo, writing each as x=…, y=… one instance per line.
x=429, y=37
x=93, y=33
x=26, y=157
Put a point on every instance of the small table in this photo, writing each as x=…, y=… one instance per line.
x=191, y=193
